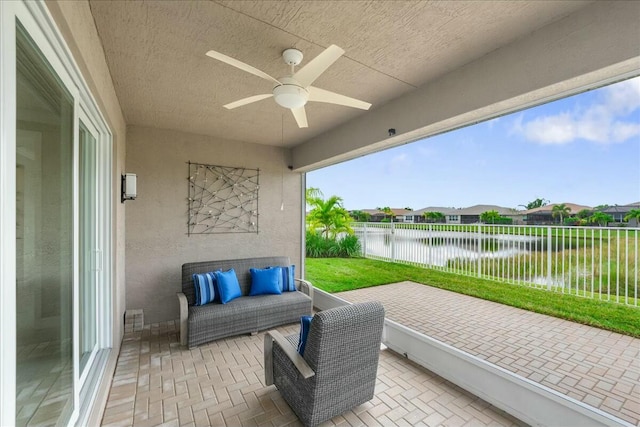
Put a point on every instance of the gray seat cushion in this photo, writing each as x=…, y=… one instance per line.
x=244, y=315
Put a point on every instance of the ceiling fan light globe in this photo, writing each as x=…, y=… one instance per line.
x=290, y=96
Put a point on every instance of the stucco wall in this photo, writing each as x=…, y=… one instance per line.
x=157, y=243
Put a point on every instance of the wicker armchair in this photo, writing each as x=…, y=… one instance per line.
x=340, y=363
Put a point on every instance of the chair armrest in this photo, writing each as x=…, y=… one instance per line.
x=184, y=313
x=305, y=287
x=297, y=360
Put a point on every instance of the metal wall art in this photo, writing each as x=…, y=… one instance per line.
x=222, y=199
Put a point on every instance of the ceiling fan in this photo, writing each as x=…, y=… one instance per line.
x=295, y=90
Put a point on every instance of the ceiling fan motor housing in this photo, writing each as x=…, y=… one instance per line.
x=292, y=56
x=290, y=94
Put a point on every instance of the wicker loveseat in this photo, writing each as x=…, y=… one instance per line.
x=246, y=314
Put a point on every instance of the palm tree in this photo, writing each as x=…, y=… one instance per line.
x=633, y=214
x=313, y=193
x=561, y=210
x=361, y=216
x=584, y=214
x=327, y=215
x=601, y=218
x=489, y=217
x=539, y=202
x=387, y=211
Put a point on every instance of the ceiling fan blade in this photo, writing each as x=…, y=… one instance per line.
x=310, y=72
x=241, y=65
x=245, y=101
x=301, y=117
x=321, y=95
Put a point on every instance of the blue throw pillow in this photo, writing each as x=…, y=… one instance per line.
x=265, y=281
x=305, y=324
x=287, y=278
x=205, y=287
x=228, y=285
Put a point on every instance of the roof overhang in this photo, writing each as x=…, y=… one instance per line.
x=427, y=67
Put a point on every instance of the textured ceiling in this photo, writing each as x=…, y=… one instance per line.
x=156, y=54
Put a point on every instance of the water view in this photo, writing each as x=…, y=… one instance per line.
x=595, y=262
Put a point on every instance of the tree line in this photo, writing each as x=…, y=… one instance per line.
x=329, y=218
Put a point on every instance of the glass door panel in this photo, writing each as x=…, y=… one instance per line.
x=44, y=241
x=89, y=254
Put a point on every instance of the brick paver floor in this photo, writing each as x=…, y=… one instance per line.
x=597, y=367
x=158, y=382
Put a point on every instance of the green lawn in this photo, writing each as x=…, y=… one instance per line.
x=342, y=274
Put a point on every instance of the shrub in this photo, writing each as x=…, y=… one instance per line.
x=504, y=220
x=320, y=247
x=349, y=246
x=571, y=221
x=493, y=217
x=317, y=246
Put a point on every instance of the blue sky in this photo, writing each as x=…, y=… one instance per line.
x=584, y=149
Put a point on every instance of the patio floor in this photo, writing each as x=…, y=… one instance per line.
x=597, y=367
x=158, y=382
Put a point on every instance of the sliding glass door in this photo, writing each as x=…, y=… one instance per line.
x=44, y=240
x=57, y=166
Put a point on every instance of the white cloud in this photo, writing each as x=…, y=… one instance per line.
x=558, y=129
x=516, y=125
x=624, y=97
x=491, y=123
x=399, y=162
x=624, y=131
x=602, y=122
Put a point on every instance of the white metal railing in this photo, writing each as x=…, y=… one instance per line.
x=593, y=262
